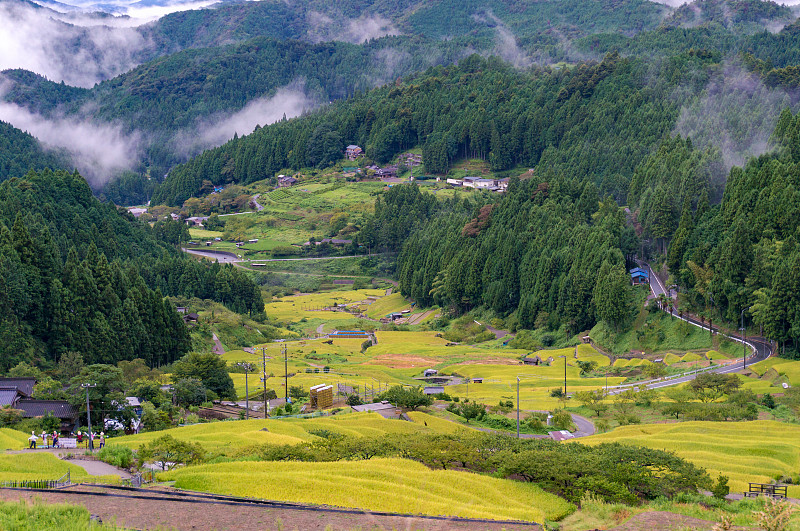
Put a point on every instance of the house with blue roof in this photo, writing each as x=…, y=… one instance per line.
x=639, y=276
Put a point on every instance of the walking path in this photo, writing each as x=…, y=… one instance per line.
x=218, y=349
x=99, y=468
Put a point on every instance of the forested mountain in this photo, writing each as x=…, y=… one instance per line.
x=77, y=274
x=742, y=257
x=480, y=108
x=162, y=103
x=20, y=152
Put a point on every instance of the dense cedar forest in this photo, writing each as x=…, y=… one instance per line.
x=79, y=275
x=480, y=108
x=20, y=152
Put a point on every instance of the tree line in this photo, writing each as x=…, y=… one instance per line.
x=79, y=275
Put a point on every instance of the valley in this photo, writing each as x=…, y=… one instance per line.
x=430, y=265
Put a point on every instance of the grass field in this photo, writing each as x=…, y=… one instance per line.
x=758, y=451
x=395, y=485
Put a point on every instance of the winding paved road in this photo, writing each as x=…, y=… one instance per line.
x=761, y=347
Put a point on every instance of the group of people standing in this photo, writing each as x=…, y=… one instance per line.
x=80, y=437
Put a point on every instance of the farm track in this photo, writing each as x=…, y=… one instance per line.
x=166, y=507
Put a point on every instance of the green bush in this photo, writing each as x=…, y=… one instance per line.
x=118, y=456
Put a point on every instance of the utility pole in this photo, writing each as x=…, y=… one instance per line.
x=247, y=368
x=286, y=372
x=264, y=378
x=88, y=414
x=744, y=341
x=517, y=407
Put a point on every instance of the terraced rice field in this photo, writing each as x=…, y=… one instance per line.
x=230, y=435
x=788, y=370
x=43, y=466
x=758, y=451
x=437, y=424
x=395, y=485
x=386, y=305
x=13, y=439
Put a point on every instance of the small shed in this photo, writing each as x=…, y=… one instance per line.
x=561, y=435
x=477, y=380
x=532, y=360
x=433, y=390
x=430, y=372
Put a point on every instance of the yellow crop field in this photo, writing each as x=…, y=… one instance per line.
x=437, y=424
x=386, y=305
x=789, y=369
x=714, y=355
x=691, y=356
x=758, y=451
x=33, y=466
x=223, y=436
x=636, y=362
x=13, y=439
x=396, y=485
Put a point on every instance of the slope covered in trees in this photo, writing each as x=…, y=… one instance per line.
x=20, y=152
x=549, y=252
x=480, y=108
x=742, y=255
x=77, y=275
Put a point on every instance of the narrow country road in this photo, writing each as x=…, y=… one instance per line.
x=223, y=257
x=761, y=347
x=259, y=207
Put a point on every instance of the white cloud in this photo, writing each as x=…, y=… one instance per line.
x=323, y=28
x=98, y=151
x=290, y=101
x=34, y=40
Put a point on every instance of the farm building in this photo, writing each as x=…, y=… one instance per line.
x=285, y=181
x=433, y=390
x=639, y=276
x=532, y=360
x=430, y=372
x=353, y=152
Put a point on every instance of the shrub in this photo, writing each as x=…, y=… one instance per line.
x=721, y=488
x=118, y=456
x=354, y=400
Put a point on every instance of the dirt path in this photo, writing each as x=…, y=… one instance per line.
x=99, y=468
x=218, y=349
x=664, y=521
x=132, y=510
x=320, y=328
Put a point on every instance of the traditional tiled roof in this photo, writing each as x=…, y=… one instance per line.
x=40, y=408
x=25, y=385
